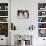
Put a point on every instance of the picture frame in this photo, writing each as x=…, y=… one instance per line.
x=22, y=14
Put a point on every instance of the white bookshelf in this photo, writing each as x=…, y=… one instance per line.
x=40, y=15
x=4, y=17
x=42, y=19
x=3, y=10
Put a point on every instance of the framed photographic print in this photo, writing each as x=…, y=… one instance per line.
x=22, y=14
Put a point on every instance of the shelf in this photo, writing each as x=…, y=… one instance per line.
x=3, y=10
x=41, y=22
x=41, y=28
x=42, y=16
x=3, y=22
x=41, y=10
x=3, y=16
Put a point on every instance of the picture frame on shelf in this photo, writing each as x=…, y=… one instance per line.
x=41, y=13
x=3, y=19
x=3, y=6
x=41, y=6
x=41, y=25
x=41, y=19
x=42, y=32
x=3, y=13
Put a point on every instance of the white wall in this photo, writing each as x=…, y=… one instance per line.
x=23, y=24
x=32, y=6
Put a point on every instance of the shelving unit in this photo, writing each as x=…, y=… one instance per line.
x=42, y=19
x=4, y=19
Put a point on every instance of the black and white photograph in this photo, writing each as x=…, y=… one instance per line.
x=22, y=14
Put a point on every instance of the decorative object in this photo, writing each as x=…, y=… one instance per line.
x=4, y=26
x=42, y=25
x=3, y=19
x=13, y=27
x=41, y=13
x=41, y=19
x=42, y=32
x=31, y=27
x=0, y=7
x=3, y=13
x=3, y=6
x=41, y=6
x=22, y=14
x=6, y=7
